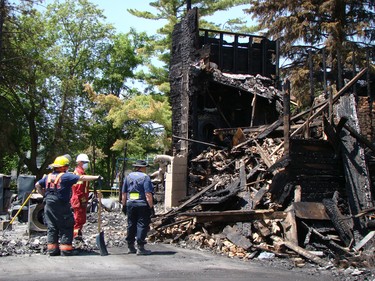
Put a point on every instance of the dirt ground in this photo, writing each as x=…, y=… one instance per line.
x=23, y=257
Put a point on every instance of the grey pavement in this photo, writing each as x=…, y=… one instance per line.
x=167, y=262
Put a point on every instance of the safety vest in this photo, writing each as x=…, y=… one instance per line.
x=135, y=187
x=53, y=182
x=85, y=184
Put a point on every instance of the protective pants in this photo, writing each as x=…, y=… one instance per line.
x=60, y=221
x=79, y=220
x=138, y=223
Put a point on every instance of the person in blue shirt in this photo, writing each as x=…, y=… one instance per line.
x=137, y=204
x=56, y=188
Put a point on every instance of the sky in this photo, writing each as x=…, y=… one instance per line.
x=116, y=13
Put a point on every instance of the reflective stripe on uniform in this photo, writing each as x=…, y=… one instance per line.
x=66, y=247
x=52, y=246
x=55, y=180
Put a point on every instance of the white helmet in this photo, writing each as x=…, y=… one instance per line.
x=82, y=158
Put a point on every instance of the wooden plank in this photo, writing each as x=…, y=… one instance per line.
x=363, y=242
x=195, y=196
x=238, y=138
x=286, y=99
x=242, y=175
x=258, y=196
x=234, y=216
x=290, y=226
x=301, y=251
x=297, y=194
x=270, y=129
x=335, y=99
x=310, y=210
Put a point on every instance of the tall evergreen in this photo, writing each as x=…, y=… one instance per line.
x=343, y=28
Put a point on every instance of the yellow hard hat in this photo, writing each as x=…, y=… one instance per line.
x=60, y=161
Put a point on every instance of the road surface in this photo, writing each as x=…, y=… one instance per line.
x=167, y=262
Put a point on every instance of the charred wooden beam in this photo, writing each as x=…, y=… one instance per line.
x=331, y=134
x=301, y=251
x=190, y=200
x=321, y=106
x=286, y=92
x=324, y=104
x=269, y=129
x=327, y=241
x=196, y=141
x=234, y=216
x=339, y=221
x=360, y=137
x=355, y=167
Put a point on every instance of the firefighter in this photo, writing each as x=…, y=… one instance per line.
x=137, y=204
x=56, y=189
x=80, y=196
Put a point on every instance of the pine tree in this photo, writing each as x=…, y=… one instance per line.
x=343, y=28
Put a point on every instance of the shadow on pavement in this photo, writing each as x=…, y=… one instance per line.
x=163, y=253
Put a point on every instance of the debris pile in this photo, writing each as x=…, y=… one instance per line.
x=246, y=202
x=20, y=240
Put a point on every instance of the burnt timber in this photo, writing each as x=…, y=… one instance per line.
x=309, y=182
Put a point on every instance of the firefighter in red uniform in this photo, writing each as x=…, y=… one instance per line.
x=80, y=196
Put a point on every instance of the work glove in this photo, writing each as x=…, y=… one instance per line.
x=152, y=212
x=123, y=209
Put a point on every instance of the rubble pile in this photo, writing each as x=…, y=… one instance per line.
x=20, y=240
x=234, y=209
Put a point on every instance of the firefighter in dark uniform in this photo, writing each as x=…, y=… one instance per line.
x=56, y=189
x=137, y=203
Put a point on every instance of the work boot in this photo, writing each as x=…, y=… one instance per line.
x=131, y=249
x=78, y=238
x=141, y=251
x=70, y=253
x=53, y=253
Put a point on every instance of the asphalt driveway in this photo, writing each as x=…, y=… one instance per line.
x=167, y=262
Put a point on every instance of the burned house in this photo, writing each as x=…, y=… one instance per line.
x=240, y=157
x=220, y=80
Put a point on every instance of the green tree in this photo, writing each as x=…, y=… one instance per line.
x=118, y=60
x=134, y=121
x=47, y=57
x=340, y=27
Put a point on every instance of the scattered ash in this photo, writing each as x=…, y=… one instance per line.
x=18, y=241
